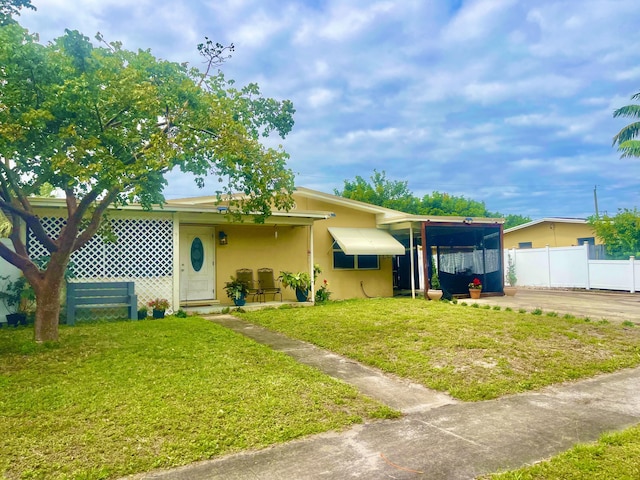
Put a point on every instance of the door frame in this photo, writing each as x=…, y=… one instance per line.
x=202, y=231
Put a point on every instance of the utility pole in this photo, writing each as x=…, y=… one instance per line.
x=595, y=199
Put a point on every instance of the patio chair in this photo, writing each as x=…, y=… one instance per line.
x=267, y=283
x=246, y=275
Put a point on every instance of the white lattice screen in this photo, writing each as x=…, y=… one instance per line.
x=142, y=253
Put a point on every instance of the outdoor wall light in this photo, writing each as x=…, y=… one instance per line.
x=222, y=238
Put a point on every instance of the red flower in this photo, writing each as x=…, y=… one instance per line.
x=476, y=282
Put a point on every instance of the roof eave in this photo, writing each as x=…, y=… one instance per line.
x=46, y=202
x=577, y=221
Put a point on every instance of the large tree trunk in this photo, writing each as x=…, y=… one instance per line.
x=48, y=310
x=48, y=290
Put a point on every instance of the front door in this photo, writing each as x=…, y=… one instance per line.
x=197, y=269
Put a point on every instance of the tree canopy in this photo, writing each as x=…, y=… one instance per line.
x=380, y=191
x=9, y=8
x=103, y=125
x=627, y=139
x=395, y=194
x=620, y=233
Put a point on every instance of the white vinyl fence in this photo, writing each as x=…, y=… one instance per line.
x=570, y=267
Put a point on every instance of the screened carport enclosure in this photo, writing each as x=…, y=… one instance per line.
x=463, y=252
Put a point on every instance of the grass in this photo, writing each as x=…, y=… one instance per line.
x=116, y=398
x=472, y=353
x=614, y=456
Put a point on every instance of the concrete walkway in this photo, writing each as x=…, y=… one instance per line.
x=438, y=438
x=391, y=390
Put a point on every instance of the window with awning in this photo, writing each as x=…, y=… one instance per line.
x=366, y=241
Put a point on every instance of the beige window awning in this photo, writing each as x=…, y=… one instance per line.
x=366, y=241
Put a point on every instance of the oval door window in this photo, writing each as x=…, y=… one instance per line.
x=197, y=254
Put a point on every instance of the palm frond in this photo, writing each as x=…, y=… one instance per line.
x=627, y=111
x=630, y=148
x=629, y=132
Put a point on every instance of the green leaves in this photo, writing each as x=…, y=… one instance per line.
x=626, y=138
x=108, y=117
x=620, y=233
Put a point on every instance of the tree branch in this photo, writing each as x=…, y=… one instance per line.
x=13, y=186
x=112, y=122
x=13, y=258
x=95, y=107
x=96, y=216
x=202, y=130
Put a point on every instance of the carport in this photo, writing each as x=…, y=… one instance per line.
x=463, y=248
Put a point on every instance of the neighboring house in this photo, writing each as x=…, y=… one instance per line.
x=554, y=232
x=188, y=249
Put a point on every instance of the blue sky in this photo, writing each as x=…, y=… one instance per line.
x=503, y=101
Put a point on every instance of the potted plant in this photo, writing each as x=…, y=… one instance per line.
x=237, y=291
x=512, y=280
x=434, y=292
x=159, y=306
x=475, y=287
x=18, y=297
x=143, y=312
x=299, y=282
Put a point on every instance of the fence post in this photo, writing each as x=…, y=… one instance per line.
x=548, y=265
x=632, y=261
x=586, y=257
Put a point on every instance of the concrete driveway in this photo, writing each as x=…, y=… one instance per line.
x=613, y=306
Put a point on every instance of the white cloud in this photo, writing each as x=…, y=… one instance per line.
x=258, y=29
x=341, y=22
x=628, y=74
x=550, y=85
x=320, y=97
x=528, y=163
x=384, y=134
x=475, y=20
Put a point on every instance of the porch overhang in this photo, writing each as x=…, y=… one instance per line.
x=366, y=241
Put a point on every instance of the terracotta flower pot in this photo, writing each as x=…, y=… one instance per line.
x=475, y=293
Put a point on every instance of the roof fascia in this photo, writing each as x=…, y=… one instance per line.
x=577, y=221
x=45, y=202
x=345, y=202
x=419, y=219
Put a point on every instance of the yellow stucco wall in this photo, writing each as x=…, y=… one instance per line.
x=346, y=283
x=554, y=234
x=257, y=246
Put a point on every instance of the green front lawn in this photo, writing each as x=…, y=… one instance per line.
x=614, y=456
x=122, y=397
x=472, y=353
